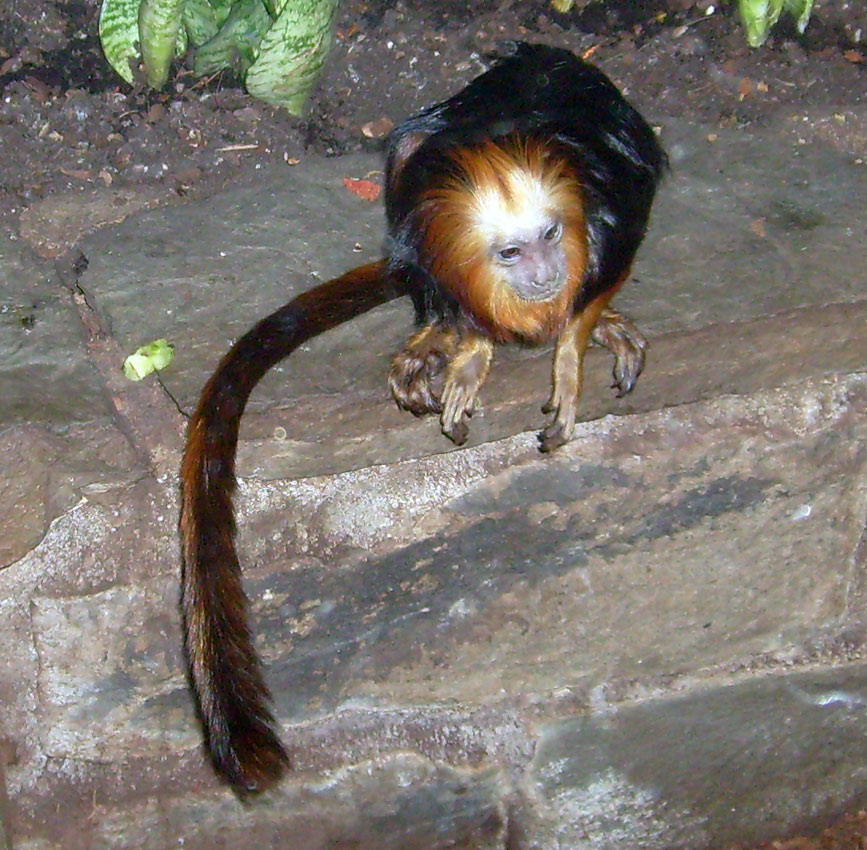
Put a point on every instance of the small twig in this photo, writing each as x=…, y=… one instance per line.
x=245, y=147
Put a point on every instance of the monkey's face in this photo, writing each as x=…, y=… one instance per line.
x=531, y=259
x=505, y=235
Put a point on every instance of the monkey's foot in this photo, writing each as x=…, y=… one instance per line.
x=416, y=365
x=622, y=338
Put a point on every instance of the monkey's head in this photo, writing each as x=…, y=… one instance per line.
x=505, y=235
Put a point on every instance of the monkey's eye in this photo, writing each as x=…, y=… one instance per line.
x=553, y=233
x=510, y=254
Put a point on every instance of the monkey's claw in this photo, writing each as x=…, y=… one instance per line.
x=457, y=433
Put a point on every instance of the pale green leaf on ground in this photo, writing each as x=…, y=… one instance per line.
x=118, y=33
x=236, y=44
x=292, y=54
x=159, y=22
x=154, y=356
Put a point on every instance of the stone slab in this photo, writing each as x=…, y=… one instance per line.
x=472, y=609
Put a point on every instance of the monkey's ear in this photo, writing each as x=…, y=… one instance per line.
x=401, y=148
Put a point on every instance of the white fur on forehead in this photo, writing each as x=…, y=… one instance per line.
x=521, y=209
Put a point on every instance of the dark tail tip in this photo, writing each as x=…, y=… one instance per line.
x=252, y=761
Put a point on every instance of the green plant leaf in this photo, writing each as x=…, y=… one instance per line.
x=800, y=10
x=159, y=22
x=758, y=17
x=118, y=34
x=200, y=21
x=183, y=41
x=237, y=42
x=292, y=53
x=221, y=10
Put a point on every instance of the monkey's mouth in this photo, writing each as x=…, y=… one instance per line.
x=535, y=292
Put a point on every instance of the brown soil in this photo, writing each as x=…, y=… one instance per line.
x=68, y=123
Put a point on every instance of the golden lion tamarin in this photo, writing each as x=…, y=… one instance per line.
x=514, y=212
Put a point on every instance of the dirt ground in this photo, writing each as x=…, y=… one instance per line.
x=67, y=123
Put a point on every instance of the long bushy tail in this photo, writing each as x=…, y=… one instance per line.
x=232, y=697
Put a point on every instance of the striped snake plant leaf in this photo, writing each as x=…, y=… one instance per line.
x=292, y=53
x=800, y=10
x=759, y=16
x=200, y=21
x=159, y=26
x=118, y=34
x=236, y=44
x=281, y=44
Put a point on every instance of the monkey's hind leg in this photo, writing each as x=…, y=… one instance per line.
x=417, y=364
x=568, y=375
x=465, y=374
x=623, y=339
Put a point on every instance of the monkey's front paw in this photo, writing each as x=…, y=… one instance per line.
x=458, y=405
x=415, y=367
x=410, y=381
x=622, y=337
x=553, y=436
x=560, y=429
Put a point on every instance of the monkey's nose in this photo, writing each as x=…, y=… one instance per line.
x=546, y=281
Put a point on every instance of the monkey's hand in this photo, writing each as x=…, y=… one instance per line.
x=623, y=339
x=464, y=376
x=417, y=364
